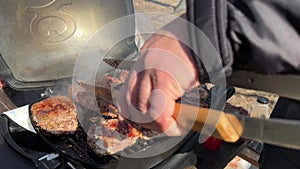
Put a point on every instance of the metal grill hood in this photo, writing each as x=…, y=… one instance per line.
x=40, y=39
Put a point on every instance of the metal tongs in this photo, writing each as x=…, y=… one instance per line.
x=229, y=127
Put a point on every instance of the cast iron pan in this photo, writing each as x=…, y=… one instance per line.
x=75, y=148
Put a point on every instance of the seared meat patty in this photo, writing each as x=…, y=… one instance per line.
x=56, y=115
x=112, y=136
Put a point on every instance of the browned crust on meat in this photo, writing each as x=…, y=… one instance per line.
x=112, y=136
x=55, y=115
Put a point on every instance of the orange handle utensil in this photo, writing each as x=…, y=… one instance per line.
x=228, y=127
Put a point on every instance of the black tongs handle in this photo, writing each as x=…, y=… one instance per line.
x=219, y=92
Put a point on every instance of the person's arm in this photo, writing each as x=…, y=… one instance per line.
x=164, y=71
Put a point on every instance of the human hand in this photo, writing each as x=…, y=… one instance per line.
x=163, y=72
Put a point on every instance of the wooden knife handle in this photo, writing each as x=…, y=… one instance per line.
x=228, y=127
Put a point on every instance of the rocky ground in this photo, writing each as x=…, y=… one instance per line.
x=246, y=98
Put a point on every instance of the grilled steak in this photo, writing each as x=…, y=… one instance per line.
x=56, y=115
x=112, y=136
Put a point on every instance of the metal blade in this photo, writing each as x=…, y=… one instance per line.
x=108, y=66
x=272, y=83
x=100, y=91
x=280, y=132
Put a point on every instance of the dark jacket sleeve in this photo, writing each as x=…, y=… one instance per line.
x=261, y=35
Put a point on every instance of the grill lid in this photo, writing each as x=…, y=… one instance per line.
x=40, y=39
